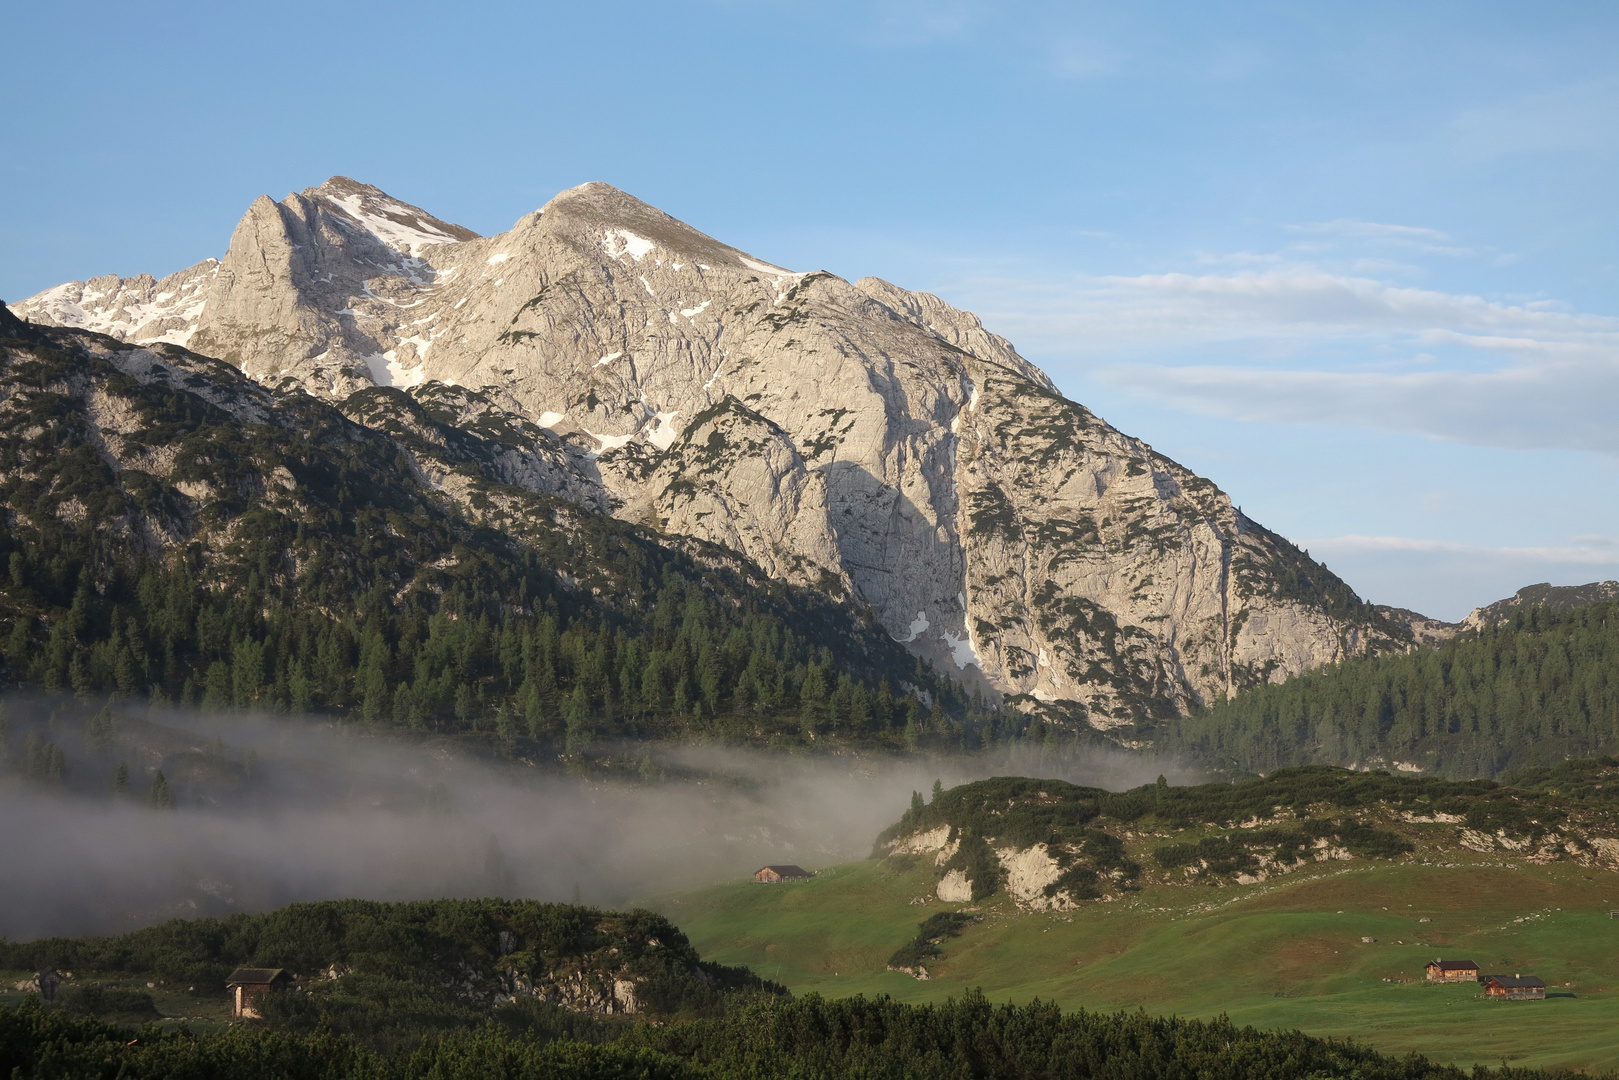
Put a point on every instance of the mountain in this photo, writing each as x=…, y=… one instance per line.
x=872, y=443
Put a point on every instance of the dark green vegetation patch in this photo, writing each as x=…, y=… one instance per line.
x=388, y=972
x=929, y=933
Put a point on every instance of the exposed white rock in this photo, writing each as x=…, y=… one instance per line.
x=955, y=888
x=1028, y=872
x=922, y=843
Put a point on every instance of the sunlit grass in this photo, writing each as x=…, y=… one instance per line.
x=1288, y=953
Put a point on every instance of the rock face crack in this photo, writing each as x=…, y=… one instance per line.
x=859, y=437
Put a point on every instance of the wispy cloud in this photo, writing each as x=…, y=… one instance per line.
x=1578, y=117
x=1582, y=551
x=1528, y=374
x=1378, y=233
x=918, y=22
x=1378, y=229
x=1082, y=57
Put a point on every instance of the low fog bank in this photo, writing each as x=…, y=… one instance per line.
x=269, y=811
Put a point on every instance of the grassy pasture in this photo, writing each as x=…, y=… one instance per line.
x=1287, y=953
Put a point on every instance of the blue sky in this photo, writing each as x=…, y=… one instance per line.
x=1356, y=263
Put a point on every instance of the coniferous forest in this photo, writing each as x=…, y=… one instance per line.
x=1536, y=688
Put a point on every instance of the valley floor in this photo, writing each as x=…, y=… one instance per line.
x=1288, y=953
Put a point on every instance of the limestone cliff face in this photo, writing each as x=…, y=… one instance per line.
x=857, y=436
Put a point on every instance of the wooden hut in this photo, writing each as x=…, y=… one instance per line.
x=249, y=987
x=775, y=875
x=1452, y=971
x=1514, y=987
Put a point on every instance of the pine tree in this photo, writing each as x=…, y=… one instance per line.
x=120, y=779
x=98, y=733
x=160, y=797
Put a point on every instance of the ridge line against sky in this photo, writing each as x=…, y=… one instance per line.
x=1354, y=265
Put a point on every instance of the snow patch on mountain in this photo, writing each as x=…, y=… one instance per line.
x=621, y=242
x=139, y=309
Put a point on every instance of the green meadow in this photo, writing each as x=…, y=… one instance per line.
x=1287, y=953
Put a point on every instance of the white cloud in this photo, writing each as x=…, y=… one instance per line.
x=1446, y=580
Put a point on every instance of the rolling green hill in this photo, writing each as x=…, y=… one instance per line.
x=1265, y=923
x=1285, y=954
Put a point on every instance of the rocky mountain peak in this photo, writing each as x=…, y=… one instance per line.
x=628, y=228
x=405, y=228
x=868, y=440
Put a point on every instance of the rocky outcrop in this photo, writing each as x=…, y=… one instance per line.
x=868, y=440
x=955, y=887
x=142, y=309
x=1029, y=872
x=579, y=991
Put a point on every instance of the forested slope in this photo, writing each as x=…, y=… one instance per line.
x=172, y=529
x=1535, y=688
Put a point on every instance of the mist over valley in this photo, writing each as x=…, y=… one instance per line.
x=265, y=811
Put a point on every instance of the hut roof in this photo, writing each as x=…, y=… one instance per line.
x=788, y=870
x=247, y=976
x=1509, y=981
x=1453, y=965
